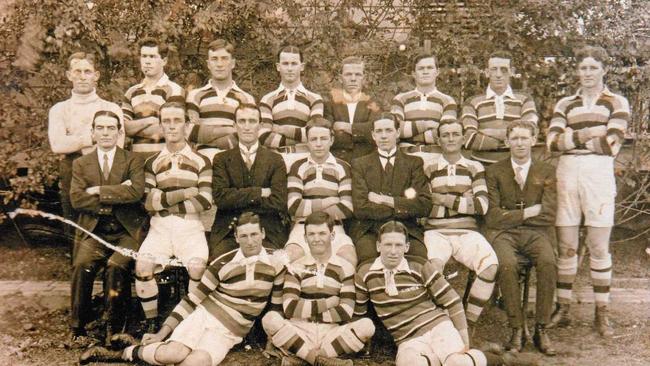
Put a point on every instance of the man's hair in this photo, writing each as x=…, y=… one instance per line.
x=453, y=121
x=248, y=217
x=597, y=53
x=522, y=124
x=501, y=54
x=173, y=104
x=246, y=106
x=393, y=226
x=107, y=114
x=319, y=121
x=318, y=218
x=421, y=56
x=81, y=56
x=291, y=49
x=163, y=49
x=352, y=60
x=220, y=43
x=386, y=115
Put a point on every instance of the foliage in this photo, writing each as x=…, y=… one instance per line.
x=38, y=35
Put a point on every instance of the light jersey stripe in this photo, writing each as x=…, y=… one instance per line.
x=465, y=193
x=167, y=176
x=225, y=294
x=598, y=129
x=424, y=296
x=313, y=188
x=413, y=107
x=141, y=109
x=213, y=117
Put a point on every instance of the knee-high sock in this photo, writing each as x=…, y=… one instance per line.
x=193, y=284
x=479, y=294
x=351, y=340
x=284, y=336
x=601, y=279
x=147, y=290
x=142, y=353
x=567, y=268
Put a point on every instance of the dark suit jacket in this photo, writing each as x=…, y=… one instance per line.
x=367, y=175
x=504, y=194
x=121, y=201
x=236, y=190
x=348, y=147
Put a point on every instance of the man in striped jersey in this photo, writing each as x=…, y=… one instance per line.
x=419, y=308
x=318, y=301
x=320, y=183
x=588, y=128
x=486, y=116
x=286, y=110
x=178, y=186
x=141, y=106
x=420, y=110
x=215, y=315
x=459, y=193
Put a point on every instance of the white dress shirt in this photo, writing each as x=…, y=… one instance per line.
x=383, y=157
x=524, y=169
x=111, y=156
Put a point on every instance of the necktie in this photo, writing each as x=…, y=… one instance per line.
x=519, y=177
x=391, y=288
x=105, y=168
x=388, y=168
x=247, y=157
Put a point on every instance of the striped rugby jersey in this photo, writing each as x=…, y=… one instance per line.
x=282, y=107
x=413, y=107
x=606, y=120
x=484, y=128
x=233, y=295
x=424, y=296
x=306, y=292
x=141, y=108
x=212, y=114
x=465, y=189
x=167, y=175
x=316, y=187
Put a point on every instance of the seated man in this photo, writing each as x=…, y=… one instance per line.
x=109, y=207
x=178, y=186
x=520, y=222
x=320, y=183
x=422, y=312
x=318, y=301
x=215, y=315
x=458, y=194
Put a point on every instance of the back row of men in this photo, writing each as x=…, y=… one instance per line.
x=437, y=197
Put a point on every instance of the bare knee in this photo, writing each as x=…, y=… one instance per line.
x=197, y=358
x=195, y=268
x=458, y=359
x=413, y=358
x=364, y=328
x=172, y=352
x=272, y=322
x=568, y=239
x=144, y=267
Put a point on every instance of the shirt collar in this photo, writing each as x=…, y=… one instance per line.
x=308, y=260
x=252, y=149
x=443, y=163
x=233, y=86
x=384, y=154
x=263, y=256
x=330, y=160
x=164, y=79
x=301, y=88
x=605, y=91
x=403, y=266
x=110, y=153
x=489, y=93
x=427, y=94
x=525, y=166
x=184, y=151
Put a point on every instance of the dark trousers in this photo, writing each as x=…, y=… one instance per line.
x=366, y=247
x=535, y=246
x=89, y=257
x=228, y=244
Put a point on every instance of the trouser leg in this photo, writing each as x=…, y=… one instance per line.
x=508, y=277
x=540, y=250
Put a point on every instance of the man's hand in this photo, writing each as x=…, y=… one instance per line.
x=127, y=182
x=153, y=337
x=468, y=193
x=532, y=211
x=266, y=192
x=342, y=127
x=190, y=192
x=93, y=190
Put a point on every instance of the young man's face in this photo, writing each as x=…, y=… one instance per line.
x=425, y=72
x=591, y=72
x=319, y=238
x=220, y=63
x=319, y=141
x=249, y=237
x=392, y=247
x=247, y=124
x=451, y=137
x=352, y=77
x=151, y=63
x=105, y=132
x=385, y=134
x=83, y=76
x=290, y=67
x=172, y=121
x=499, y=73
x=521, y=141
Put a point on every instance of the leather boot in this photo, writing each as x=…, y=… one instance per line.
x=99, y=354
x=561, y=317
x=517, y=340
x=83, y=277
x=602, y=321
x=117, y=291
x=542, y=341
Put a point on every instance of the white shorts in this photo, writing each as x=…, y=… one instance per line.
x=585, y=185
x=202, y=331
x=466, y=246
x=173, y=236
x=341, y=239
x=436, y=344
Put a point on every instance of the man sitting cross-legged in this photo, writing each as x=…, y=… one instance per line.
x=318, y=300
x=218, y=313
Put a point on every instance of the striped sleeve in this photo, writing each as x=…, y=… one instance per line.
x=276, y=291
x=343, y=209
x=477, y=204
x=297, y=205
x=558, y=139
x=317, y=107
x=203, y=201
x=444, y=295
x=294, y=306
x=361, y=295
x=611, y=143
x=397, y=108
x=345, y=309
x=127, y=107
x=529, y=110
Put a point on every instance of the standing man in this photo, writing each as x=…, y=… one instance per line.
x=459, y=194
x=520, y=222
x=69, y=123
x=178, y=186
x=108, y=201
x=352, y=112
x=588, y=128
x=318, y=302
x=387, y=185
x=486, y=116
x=286, y=110
x=142, y=101
x=422, y=109
x=248, y=178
